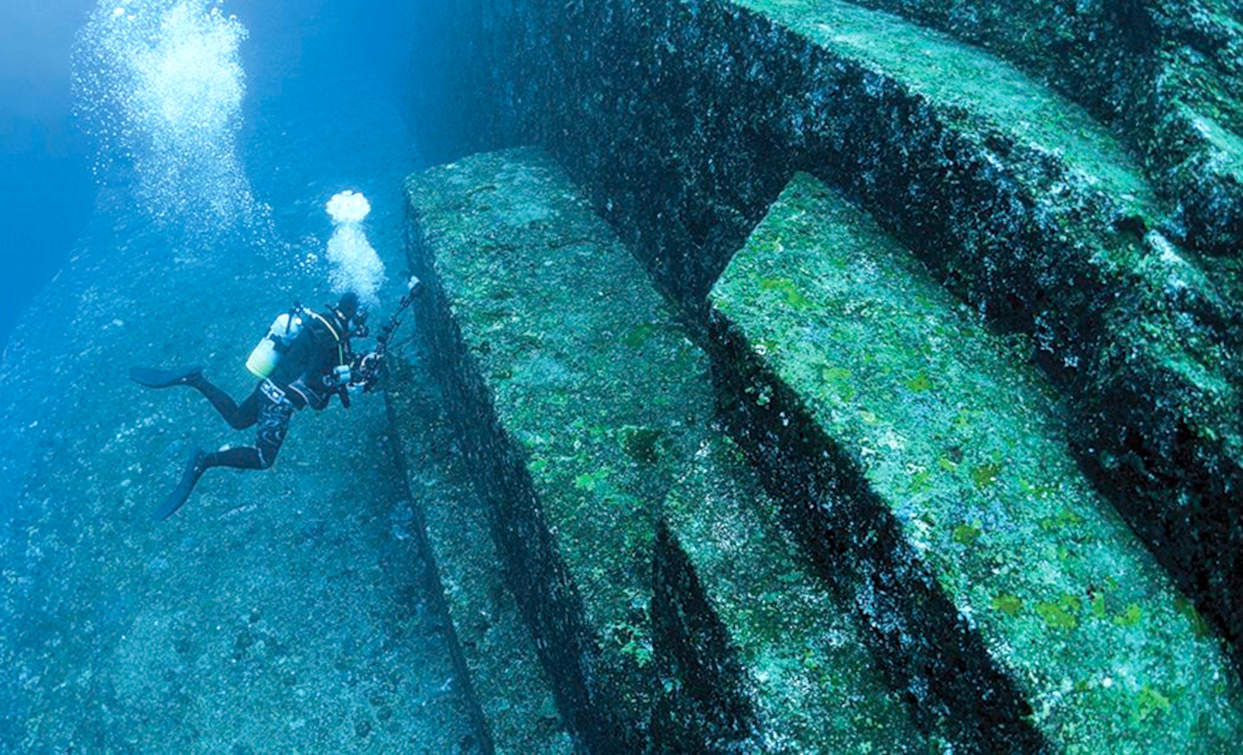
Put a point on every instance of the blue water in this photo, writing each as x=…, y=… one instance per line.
x=304, y=625
x=322, y=112
x=44, y=155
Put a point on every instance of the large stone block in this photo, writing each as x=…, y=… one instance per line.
x=809, y=681
x=619, y=514
x=931, y=469
x=1166, y=74
x=1015, y=198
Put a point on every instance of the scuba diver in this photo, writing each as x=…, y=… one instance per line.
x=304, y=360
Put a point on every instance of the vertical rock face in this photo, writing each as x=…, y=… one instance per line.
x=682, y=121
x=944, y=474
x=530, y=312
x=665, y=604
x=498, y=657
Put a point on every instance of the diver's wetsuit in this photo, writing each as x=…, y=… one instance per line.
x=303, y=377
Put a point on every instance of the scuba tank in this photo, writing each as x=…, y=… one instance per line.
x=267, y=353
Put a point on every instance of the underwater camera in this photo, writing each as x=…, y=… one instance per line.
x=365, y=371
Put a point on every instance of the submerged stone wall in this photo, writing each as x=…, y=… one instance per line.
x=682, y=121
x=495, y=654
x=928, y=469
x=668, y=609
x=1167, y=74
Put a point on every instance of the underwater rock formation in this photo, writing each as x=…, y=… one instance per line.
x=1097, y=229
x=498, y=657
x=668, y=608
x=928, y=467
x=1168, y=73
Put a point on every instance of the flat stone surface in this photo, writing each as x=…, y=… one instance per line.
x=1165, y=74
x=596, y=396
x=957, y=437
x=953, y=74
x=977, y=92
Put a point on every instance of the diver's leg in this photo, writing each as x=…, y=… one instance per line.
x=238, y=417
x=273, y=425
x=273, y=419
x=238, y=457
x=189, y=477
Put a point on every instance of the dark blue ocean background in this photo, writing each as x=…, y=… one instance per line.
x=301, y=626
x=323, y=111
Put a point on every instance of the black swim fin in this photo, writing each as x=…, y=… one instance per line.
x=153, y=378
x=193, y=471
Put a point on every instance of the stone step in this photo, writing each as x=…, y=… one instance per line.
x=1041, y=134
x=1164, y=74
x=498, y=654
x=584, y=418
x=1075, y=171
x=1017, y=205
x=981, y=86
x=1027, y=201
x=1148, y=345
x=810, y=683
x=931, y=469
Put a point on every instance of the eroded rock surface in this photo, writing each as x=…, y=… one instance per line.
x=931, y=463
x=682, y=122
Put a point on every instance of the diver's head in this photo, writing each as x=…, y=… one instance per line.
x=347, y=307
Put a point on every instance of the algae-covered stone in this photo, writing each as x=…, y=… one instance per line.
x=531, y=299
x=812, y=682
x=498, y=655
x=1166, y=74
x=683, y=149
x=581, y=408
x=925, y=428
x=951, y=74
x=1016, y=199
x=1146, y=336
